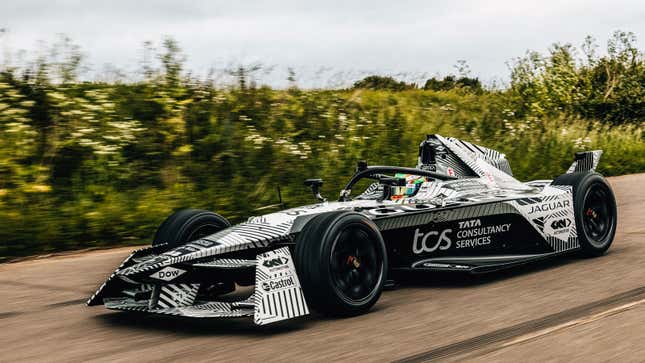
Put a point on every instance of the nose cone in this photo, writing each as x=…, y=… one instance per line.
x=149, y=265
x=239, y=237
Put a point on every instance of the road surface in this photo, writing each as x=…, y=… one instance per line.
x=570, y=309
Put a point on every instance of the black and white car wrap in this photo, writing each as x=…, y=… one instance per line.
x=479, y=219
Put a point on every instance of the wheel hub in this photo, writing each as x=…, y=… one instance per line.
x=353, y=261
x=592, y=213
x=597, y=218
x=355, y=266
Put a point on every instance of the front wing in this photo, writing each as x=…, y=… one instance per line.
x=277, y=296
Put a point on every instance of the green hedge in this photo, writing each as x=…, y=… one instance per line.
x=88, y=165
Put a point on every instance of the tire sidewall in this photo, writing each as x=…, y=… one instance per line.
x=581, y=183
x=588, y=244
x=355, y=221
x=314, y=248
x=176, y=230
x=201, y=220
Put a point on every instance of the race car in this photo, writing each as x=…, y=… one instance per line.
x=459, y=209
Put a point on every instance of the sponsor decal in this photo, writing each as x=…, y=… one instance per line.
x=547, y=207
x=257, y=220
x=277, y=295
x=490, y=178
x=460, y=266
x=295, y=212
x=463, y=185
x=275, y=262
x=450, y=172
x=472, y=234
x=484, y=231
x=183, y=250
x=307, y=209
x=424, y=243
x=278, y=284
x=379, y=211
x=203, y=242
x=560, y=223
x=444, y=265
x=559, y=228
x=168, y=274
x=470, y=224
x=473, y=242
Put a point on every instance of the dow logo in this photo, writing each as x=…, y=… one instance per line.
x=275, y=262
x=167, y=274
x=561, y=223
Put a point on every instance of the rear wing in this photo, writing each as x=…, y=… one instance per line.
x=585, y=161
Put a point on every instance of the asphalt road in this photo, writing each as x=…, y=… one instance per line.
x=570, y=309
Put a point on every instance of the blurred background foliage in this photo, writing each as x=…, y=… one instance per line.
x=88, y=164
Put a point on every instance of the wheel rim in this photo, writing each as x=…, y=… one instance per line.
x=597, y=216
x=356, y=266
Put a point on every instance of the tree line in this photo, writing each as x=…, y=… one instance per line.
x=90, y=164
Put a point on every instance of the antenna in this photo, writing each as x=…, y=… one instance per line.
x=280, y=205
x=280, y=198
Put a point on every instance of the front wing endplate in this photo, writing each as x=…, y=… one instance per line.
x=278, y=295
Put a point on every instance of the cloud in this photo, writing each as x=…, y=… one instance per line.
x=372, y=36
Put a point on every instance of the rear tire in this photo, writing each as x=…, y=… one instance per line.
x=594, y=208
x=341, y=262
x=187, y=225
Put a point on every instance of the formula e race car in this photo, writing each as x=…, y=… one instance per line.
x=459, y=209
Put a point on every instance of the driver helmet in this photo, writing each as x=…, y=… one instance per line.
x=412, y=185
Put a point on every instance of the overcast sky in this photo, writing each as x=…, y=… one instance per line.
x=350, y=37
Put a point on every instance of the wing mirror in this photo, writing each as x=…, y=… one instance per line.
x=315, y=185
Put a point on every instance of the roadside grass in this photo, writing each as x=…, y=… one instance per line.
x=115, y=160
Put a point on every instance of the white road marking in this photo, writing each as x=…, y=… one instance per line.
x=572, y=323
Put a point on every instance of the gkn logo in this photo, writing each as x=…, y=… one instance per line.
x=424, y=243
x=561, y=223
x=275, y=262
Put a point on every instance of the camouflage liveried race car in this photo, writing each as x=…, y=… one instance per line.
x=459, y=209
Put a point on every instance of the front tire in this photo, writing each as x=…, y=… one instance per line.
x=341, y=262
x=187, y=225
x=595, y=210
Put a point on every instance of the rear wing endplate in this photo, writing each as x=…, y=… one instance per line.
x=585, y=161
